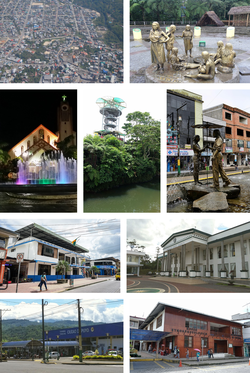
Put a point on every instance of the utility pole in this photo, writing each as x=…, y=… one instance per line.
x=43, y=304
x=1, y=333
x=157, y=254
x=80, y=330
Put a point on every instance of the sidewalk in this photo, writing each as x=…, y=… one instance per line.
x=146, y=356
x=53, y=286
x=69, y=361
x=186, y=176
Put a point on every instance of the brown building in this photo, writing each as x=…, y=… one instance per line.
x=237, y=133
x=240, y=15
x=192, y=330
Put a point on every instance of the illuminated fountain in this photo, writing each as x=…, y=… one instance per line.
x=48, y=171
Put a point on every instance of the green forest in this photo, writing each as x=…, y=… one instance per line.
x=110, y=163
x=24, y=330
x=111, y=12
x=175, y=11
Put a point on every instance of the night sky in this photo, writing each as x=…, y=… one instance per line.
x=24, y=110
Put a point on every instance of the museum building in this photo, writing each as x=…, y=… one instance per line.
x=193, y=253
x=192, y=330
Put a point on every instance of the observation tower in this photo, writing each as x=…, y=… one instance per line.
x=111, y=110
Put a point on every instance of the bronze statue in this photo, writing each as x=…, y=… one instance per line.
x=217, y=161
x=218, y=55
x=158, y=38
x=187, y=35
x=197, y=158
x=206, y=71
x=179, y=64
x=227, y=59
x=170, y=43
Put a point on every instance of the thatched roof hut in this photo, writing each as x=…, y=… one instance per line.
x=240, y=15
x=210, y=18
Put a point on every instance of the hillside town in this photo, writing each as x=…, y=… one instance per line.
x=52, y=41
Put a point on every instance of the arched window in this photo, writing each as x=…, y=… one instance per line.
x=48, y=139
x=28, y=144
x=22, y=149
x=34, y=140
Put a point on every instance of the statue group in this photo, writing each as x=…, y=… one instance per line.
x=217, y=166
x=224, y=55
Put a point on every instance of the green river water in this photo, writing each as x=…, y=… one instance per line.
x=144, y=197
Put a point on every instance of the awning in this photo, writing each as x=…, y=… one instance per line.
x=147, y=335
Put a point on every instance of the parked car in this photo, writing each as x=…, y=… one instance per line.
x=117, y=276
x=54, y=355
x=113, y=352
x=88, y=353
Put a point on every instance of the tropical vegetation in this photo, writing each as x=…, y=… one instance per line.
x=175, y=11
x=110, y=163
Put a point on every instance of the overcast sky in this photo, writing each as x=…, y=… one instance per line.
x=153, y=232
x=96, y=310
x=100, y=236
x=220, y=305
x=213, y=96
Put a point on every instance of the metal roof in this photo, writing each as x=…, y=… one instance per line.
x=36, y=343
x=44, y=234
x=146, y=335
x=6, y=233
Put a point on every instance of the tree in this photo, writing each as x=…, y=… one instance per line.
x=69, y=151
x=94, y=270
x=62, y=267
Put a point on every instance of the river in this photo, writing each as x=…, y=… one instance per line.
x=243, y=198
x=144, y=197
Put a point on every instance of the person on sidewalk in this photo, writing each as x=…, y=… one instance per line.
x=43, y=281
x=211, y=353
x=208, y=353
x=198, y=355
x=187, y=353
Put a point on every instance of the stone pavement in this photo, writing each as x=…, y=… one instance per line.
x=53, y=286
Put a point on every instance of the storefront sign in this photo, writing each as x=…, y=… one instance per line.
x=228, y=150
x=241, y=149
x=183, y=152
x=187, y=146
x=207, y=154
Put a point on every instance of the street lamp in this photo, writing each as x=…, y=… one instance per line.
x=57, y=337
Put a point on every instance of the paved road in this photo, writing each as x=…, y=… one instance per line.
x=109, y=286
x=38, y=367
x=163, y=367
x=145, y=284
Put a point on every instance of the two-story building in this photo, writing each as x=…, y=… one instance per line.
x=134, y=262
x=107, y=266
x=192, y=330
x=194, y=253
x=42, y=250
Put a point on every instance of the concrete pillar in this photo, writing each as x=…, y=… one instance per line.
x=182, y=272
x=243, y=265
x=207, y=262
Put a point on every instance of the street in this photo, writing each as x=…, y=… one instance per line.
x=109, y=286
x=38, y=367
x=163, y=366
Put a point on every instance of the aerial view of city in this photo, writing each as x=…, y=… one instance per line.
x=61, y=41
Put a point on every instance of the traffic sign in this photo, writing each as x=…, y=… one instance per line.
x=19, y=257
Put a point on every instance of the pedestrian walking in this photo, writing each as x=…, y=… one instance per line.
x=43, y=281
x=150, y=348
x=208, y=353
x=198, y=355
x=211, y=353
x=187, y=353
x=178, y=353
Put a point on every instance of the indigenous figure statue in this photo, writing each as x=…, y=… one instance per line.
x=197, y=158
x=206, y=71
x=170, y=43
x=158, y=38
x=179, y=64
x=217, y=161
x=218, y=55
x=227, y=59
x=187, y=35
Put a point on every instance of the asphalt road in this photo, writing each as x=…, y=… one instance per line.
x=165, y=367
x=109, y=286
x=38, y=367
x=144, y=284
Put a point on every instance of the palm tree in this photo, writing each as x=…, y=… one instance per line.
x=62, y=267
